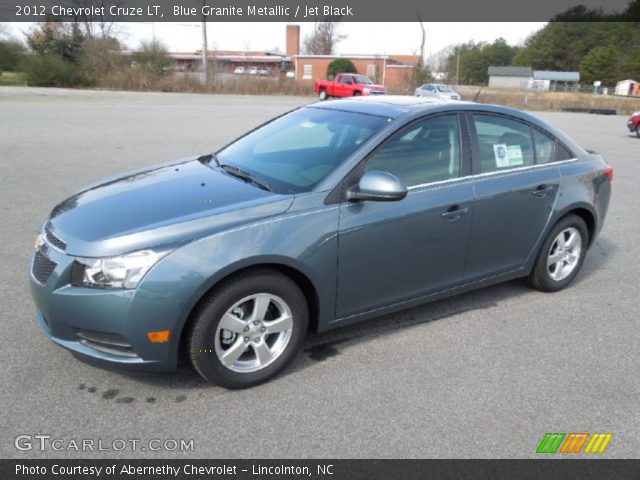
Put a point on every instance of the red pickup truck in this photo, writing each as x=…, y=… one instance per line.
x=348, y=85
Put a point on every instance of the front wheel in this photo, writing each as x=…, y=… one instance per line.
x=323, y=95
x=248, y=329
x=561, y=255
x=357, y=94
x=638, y=130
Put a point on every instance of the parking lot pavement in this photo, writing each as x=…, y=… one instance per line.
x=486, y=374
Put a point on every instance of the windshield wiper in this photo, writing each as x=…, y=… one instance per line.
x=247, y=177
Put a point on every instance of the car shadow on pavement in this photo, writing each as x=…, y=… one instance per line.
x=319, y=347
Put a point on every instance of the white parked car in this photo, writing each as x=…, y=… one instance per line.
x=240, y=70
x=437, y=90
x=263, y=71
x=252, y=70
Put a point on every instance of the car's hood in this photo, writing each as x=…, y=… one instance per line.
x=161, y=205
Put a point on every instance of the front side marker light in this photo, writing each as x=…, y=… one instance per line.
x=163, y=336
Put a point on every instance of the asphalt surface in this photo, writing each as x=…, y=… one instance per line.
x=482, y=375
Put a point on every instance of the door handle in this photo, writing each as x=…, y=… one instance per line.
x=542, y=190
x=454, y=213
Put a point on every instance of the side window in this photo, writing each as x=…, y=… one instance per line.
x=504, y=143
x=425, y=151
x=548, y=149
x=545, y=147
x=562, y=153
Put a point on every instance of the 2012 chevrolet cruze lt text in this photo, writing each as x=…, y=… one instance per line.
x=330, y=214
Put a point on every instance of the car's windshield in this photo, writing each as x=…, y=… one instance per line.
x=363, y=79
x=294, y=152
x=443, y=88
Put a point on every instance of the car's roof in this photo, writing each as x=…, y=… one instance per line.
x=386, y=105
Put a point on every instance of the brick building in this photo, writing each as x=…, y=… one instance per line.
x=395, y=72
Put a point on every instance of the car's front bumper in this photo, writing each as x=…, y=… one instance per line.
x=631, y=125
x=109, y=326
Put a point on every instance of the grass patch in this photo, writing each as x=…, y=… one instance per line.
x=549, y=101
x=8, y=79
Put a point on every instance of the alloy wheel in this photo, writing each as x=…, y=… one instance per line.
x=564, y=254
x=253, y=333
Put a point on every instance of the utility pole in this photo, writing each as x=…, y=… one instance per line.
x=204, y=47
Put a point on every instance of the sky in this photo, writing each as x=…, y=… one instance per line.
x=361, y=38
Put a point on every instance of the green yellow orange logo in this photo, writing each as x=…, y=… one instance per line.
x=574, y=442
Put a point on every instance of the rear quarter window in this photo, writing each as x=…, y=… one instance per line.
x=562, y=153
x=549, y=149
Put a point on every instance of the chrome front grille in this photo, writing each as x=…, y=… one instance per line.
x=53, y=240
x=42, y=268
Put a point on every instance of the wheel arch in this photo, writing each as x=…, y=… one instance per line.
x=586, y=213
x=281, y=265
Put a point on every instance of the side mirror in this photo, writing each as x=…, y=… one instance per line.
x=378, y=186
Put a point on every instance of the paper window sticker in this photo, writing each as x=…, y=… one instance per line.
x=514, y=153
x=500, y=154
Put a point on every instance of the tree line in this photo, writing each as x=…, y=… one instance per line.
x=74, y=54
x=600, y=46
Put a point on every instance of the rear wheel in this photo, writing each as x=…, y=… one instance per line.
x=323, y=95
x=248, y=329
x=357, y=94
x=561, y=255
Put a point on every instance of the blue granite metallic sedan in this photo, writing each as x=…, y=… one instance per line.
x=331, y=214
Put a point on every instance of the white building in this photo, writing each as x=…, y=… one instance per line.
x=625, y=87
x=515, y=78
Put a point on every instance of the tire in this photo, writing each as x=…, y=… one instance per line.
x=638, y=130
x=555, y=269
x=250, y=305
x=323, y=95
x=357, y=94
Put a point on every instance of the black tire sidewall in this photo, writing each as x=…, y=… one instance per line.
x=638, y=130
x=208, y=316
x=540, y=277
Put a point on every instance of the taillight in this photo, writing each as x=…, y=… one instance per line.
x=608, y=172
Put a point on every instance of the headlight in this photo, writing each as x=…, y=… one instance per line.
x=39, y=241
x=123, y=271
x=366, y=90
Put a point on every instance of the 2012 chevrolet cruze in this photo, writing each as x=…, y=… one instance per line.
x=330, y=214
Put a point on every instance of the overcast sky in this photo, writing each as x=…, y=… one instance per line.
x=365, y=38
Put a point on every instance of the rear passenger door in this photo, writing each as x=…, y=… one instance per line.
x=514, y=193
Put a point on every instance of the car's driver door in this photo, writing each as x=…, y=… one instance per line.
x=391, y=252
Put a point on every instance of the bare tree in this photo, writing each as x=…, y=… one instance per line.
x=421, y=73
x=423, y=41
x=97, y=26
x=324, y=38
